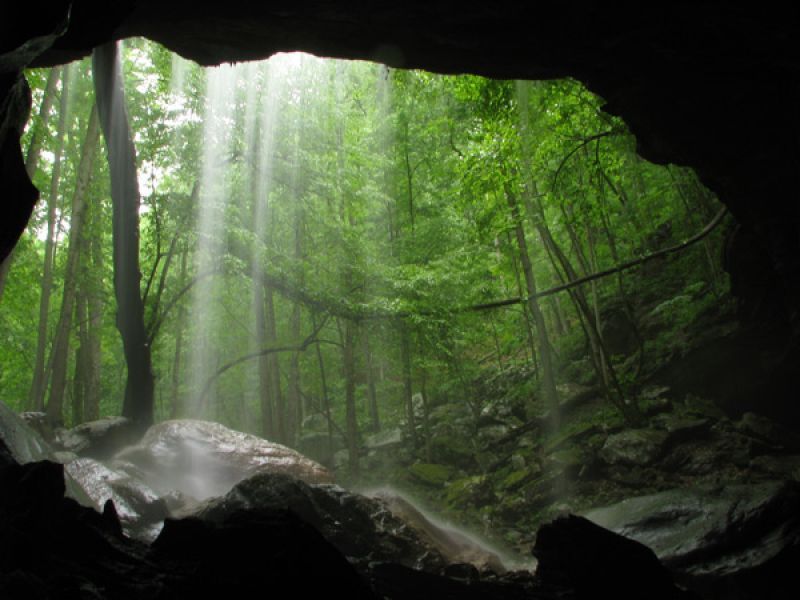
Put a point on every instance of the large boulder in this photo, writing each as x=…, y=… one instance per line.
x=635, y=447
x=713, y=538
x=593, y=562
x=140, y=509
x=380, y=528
x=98, y=439
x=203, y=459
x=24, y=444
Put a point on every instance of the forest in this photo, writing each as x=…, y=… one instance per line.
x=471, y=290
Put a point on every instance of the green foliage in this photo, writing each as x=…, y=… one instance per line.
x=395, y=183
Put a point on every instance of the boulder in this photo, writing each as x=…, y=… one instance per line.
x=22, y=441
x=318, y=446
x=714, y=538
x=140, y=510
x=455, y=546
x=386, y=439
x=202, y=459
x=593, y=562
x=98, y=439
x=768, y=431
x=384, y=527
x=635, y=447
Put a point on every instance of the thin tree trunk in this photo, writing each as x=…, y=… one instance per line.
x=77, y=222
x=372, y=395
x=264, y=386
x=326, y=403
x=351, y=422
x=95, y=327
x=273, y=369
x=79, y=382
x=38, y=386
x=548, y=368
x=294, y=396
x=109, y=89
x=177, y=361
x=408, y=390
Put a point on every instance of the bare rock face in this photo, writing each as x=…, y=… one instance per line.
x=717, y=539
x=384, y=528
x=97, y=439
x=456, y=547
x=203, y=459
x=140, y=510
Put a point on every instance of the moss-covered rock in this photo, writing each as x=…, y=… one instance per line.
x=469, y=491
x=453, y=450
x=431, y=474
x=515, y=479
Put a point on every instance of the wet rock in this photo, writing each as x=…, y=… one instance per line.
x=454, y=546
x=593, y=562
x=453, y=449
x=573, y=395
x=433, y=475
x=203, y=459
x=682, y=429
x=38, y=421
x=388, y=438
x=23, y=442
x=714, y=538
x=380, y=528
x=768, y=431
x=246, y=553
x=634, y=447
x=778, y=467
x=319, y=446
x=98, y=439
x=140, y=510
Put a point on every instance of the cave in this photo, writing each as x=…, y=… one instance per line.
x=706, y=86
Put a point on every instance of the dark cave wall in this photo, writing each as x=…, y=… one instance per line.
x=707, y=85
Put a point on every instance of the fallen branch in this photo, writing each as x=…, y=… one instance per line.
x=623, y=267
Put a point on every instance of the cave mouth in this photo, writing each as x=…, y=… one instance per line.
x=695, y=421
x=335, y=254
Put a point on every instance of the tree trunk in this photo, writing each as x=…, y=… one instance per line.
x=548, y=368
x=139, y=387
x=79, y=381
x=91, y=407
x=273, y=369
x=326, y=403
x=294, y=395
x=177, y=361
x=77, y=221
x=408, y=390
x=264, y=386
x=38, y=387
x=372, y=395
x=351, y=422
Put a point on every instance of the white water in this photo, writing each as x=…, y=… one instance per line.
x=510, y=560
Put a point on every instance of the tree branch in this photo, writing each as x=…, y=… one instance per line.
x=594, y=276
x=301, y=347
x=159, y=320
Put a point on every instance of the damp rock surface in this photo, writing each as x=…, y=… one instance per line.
x=204, y=459
x=709, y=535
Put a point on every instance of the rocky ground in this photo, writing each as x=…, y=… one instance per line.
x=271, y=531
